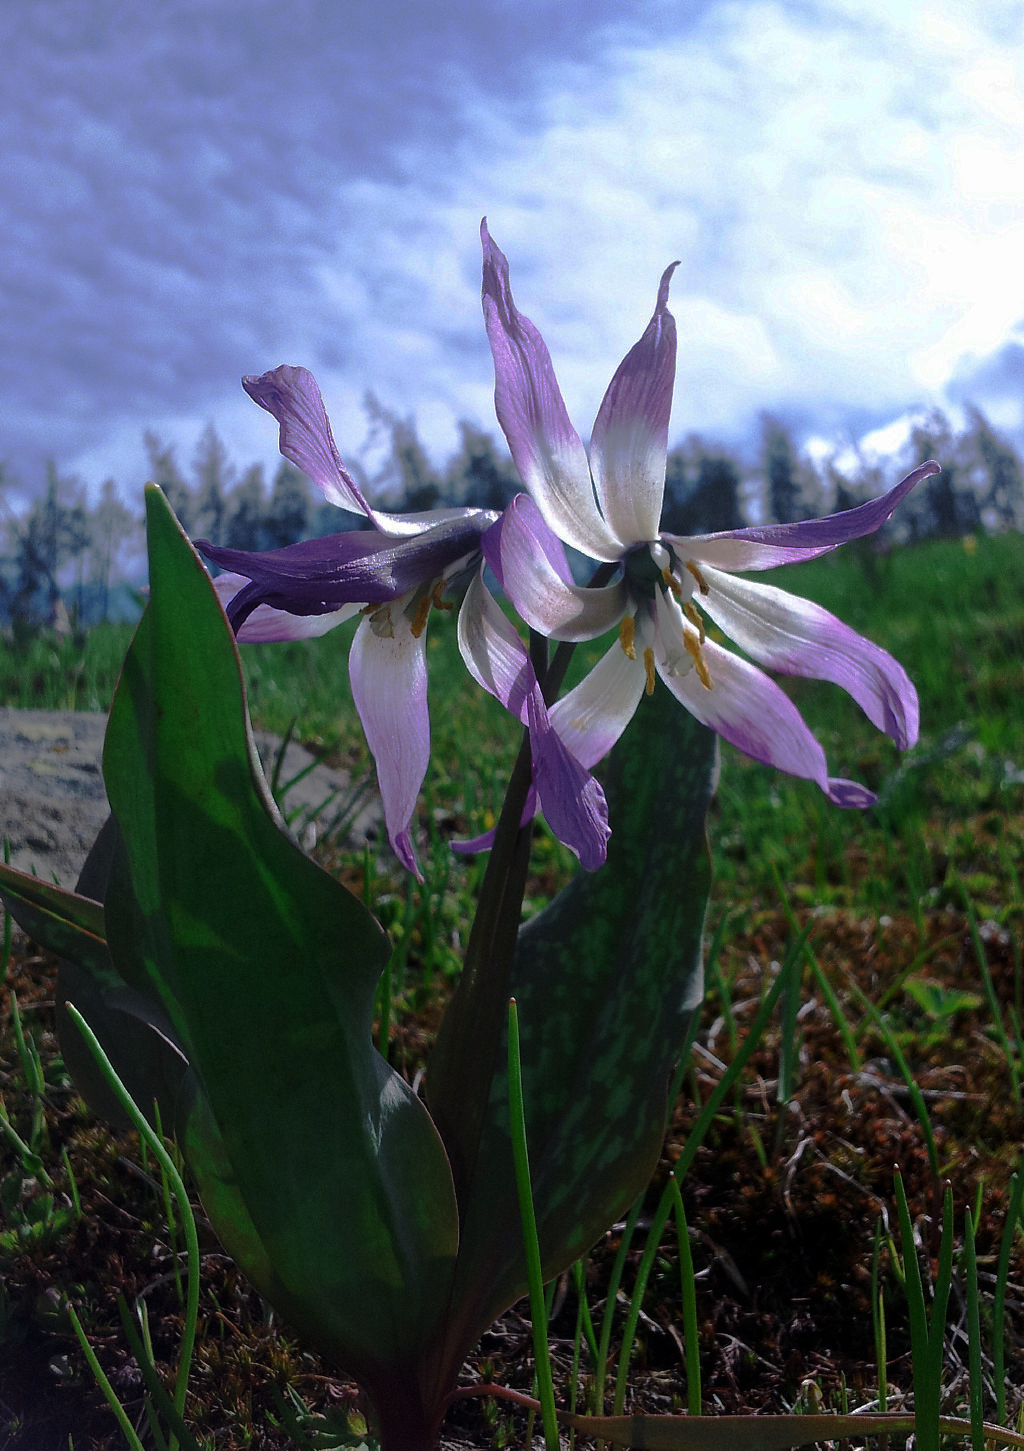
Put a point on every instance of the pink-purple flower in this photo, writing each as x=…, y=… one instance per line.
x=662, y=591
x=393, y=574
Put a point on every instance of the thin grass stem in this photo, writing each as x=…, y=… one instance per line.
x=970, y=1260
x=1013, y=1212
x=138, y=1118
x=878, y=1322
x=688, y=1290
x=654, y=1234
x=109, y=1394
x=538, y=1309
x=990, y=992
x=697, y=1134
x=618, y=1265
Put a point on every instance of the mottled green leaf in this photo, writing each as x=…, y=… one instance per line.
x=63, y=922
x=605, y=979
x=320, y=1167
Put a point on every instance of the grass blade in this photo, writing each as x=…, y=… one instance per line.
x=167, y=1164
x=109, y=1394
x=999, y=1299
x=688, y=1288
x=538, y=1309
x=973, y=1335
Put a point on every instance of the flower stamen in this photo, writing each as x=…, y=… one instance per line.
x=695, y=618
x=649, y=667
x=627, y=629
x=419, y=623
x=702, y=583
x=695, y=653
x=439, y=589
x=671, y=582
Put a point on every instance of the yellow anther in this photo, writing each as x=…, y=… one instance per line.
x=671, y=582
x=702, y=583
x=649, y=667
x=419, y=624
x=627, y=629
x=369, y=609
x=694, y=616
x=694, y=651
x=439, y=589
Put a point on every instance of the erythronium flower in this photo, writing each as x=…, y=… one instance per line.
x=393, y=574
x=609, y=507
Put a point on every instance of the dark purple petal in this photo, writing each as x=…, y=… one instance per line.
x=317, y=576
x=849, y=794
x=265, y=625
x=292, y=397
x=547, y=450
x=629, y=444
x=765, y=546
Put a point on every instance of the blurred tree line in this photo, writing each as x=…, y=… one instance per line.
x=65, y=562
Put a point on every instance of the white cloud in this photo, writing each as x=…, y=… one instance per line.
x=843, y=187
x=842, y=182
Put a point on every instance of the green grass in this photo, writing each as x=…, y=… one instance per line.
x=952, y=613
x=953, y=616
x=893, y=936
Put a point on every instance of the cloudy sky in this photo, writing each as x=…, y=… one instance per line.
x=195, y=189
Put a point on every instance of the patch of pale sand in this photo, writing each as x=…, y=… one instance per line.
x=53, y=801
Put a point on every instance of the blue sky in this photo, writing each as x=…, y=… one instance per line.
x=196, y=189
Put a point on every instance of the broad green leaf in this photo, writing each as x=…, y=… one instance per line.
x=605, y=980
x=267, y=968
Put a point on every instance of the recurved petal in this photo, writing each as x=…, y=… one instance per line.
x=629, y=444
x=364, y=566
x=547, y=450
x=265, y=625
x=530, y=565
x=750, y=711
x=495, y=656
x=571, y=799
x=389, y=687
x=291, y=395
x=485, y=841
x=768, y=545
x=591, y=717
x=793, y=635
